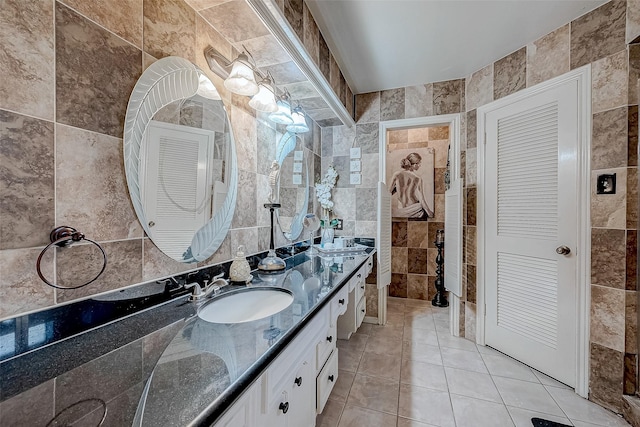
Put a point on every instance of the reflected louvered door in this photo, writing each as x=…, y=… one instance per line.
x=384, y=236
x=530, y=210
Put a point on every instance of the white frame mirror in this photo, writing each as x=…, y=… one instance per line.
x=162, y=83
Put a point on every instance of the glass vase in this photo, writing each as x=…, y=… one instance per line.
x=327, y=233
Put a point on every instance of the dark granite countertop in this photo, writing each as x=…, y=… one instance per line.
x=164, y=365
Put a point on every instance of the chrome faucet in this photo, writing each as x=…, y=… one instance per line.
x=214, y=287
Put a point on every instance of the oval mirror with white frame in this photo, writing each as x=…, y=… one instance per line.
x=180, y=160
x=293, y=185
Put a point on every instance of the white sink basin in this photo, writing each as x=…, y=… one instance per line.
x=245, y=306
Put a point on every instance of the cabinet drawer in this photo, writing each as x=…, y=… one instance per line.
x=360, y=288
x=326, y=344
x=369, y=266
x=361, y=311
x=326, y=380
x=339, y=304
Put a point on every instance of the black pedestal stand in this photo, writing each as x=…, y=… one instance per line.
x=272, y=207
x=440, y=300
x=272, y=263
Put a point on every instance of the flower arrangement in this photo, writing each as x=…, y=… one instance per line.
x=323, y=192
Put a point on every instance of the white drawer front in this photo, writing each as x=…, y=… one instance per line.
x=339, y=304
x=326, y=380
x=325, y=346
x=360, y=286
x=361, y=311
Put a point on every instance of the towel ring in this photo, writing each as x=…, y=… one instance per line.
x=61, y=237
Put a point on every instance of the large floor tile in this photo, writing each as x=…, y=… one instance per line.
x=422, y=336
x=419, y=321
x=386, y=331
x=354, y=416
x=421, y=352
x=504, y=366
x=380, y=365
x=380, y=394
x=447, y=340
x=526, y=395
x=462, y=359
x=479, y=413
x=364, y=329
x=356, y=342
x=546, y=380
x=522, y=417
x=390, y=346
x=406, y=422
x=330, y=415
x=580, y=409
x=472, y=384
x=423, y=375
x=426, y=405
x=343, y=385
x=349, y=359
x=393, y=319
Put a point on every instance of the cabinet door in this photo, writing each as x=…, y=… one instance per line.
x=243, y=413
x=302, y=396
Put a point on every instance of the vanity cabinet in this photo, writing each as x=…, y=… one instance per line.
x=356, y=308
x=243, y=413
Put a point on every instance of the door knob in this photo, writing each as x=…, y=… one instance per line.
x=563, y=250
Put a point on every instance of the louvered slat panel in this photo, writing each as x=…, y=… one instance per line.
x=173, y=242
x=453, y=238
x=527, y=173
x=384, y=236
x=178, y=190
x=528, y=297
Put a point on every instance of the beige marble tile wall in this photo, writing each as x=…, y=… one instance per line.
x=413, y=252
x=68, y=69
x=598, y=38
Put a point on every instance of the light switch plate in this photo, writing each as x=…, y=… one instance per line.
x=355, y=179
x=297, y=155
x=297, y=167
x=355, y=153
x=297, y=179
x=355, y=165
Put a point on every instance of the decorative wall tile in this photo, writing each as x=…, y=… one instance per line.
x=235, y=20
x=632, y=197
x=608, y=317
x=471, y=244
x=27, y=40
x=609, y=210
x=169, y=29
x=471, y=206
x=341, y=164
x=549, y=56
x=89, y=164
x=327, y=142
x=633, y=21
x=123, y=17
x=438, y=209
x=350, y=100
x=343, y=90
x=156, y=264
x=368, y=107
x=479, y=88
x=630, y=375
x=510, y=74
x=324, y=54
x=632, y=260
x=470, y=321
x=204, y=4
x=399, y=260
x=398, y=286
x=418, y=101
x=471, y=168
x=21, y=289
x=399, y=233
x=293, y=14
x=311, y=34
x=247, y=237
x=632, y=133
x=367, y=137
x=334, y=74
x=631, y=323
x=245, y=213
x=598, y=33
x=245, y=132
x=431, y=261
x=441, y=149
x=439, y=186
x=80, y=263
x=471, y=283
x=434, y=226
x=634, y=72
x=262, y=189
x=607, y=246
x=609, y=82
x=266, y=50
x=83, y=52
x=344, y=200
x=266, y=147
x=397, y=137
x=438, y=132
x=606, y=377
x=392, y=104
x=27, y=213
x=471, y=129
x=609, y=139
x=366, y=204
x=448, y=97
x=417, y=286
x=418, y=260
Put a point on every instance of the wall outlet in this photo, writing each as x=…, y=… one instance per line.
x=339, y=226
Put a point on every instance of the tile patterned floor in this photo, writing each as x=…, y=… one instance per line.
x=412, y=373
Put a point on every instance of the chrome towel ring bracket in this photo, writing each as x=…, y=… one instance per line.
x=61, y=237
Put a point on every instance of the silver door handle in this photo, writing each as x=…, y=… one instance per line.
x=563, y=250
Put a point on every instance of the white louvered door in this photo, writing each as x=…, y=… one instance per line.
x=530, y=210
x=384, y=235
x=453, y=238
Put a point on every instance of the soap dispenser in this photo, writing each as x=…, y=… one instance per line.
x=240, y=271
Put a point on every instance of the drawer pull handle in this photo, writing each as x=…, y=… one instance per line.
x=359, y=275
x=341, y=301
x=362, y=287
x=330, y=378
x=284, y=407
x=298, y=381
x=362, y=310
x=330, y=338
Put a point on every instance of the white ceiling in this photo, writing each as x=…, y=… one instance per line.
x=386, y=44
